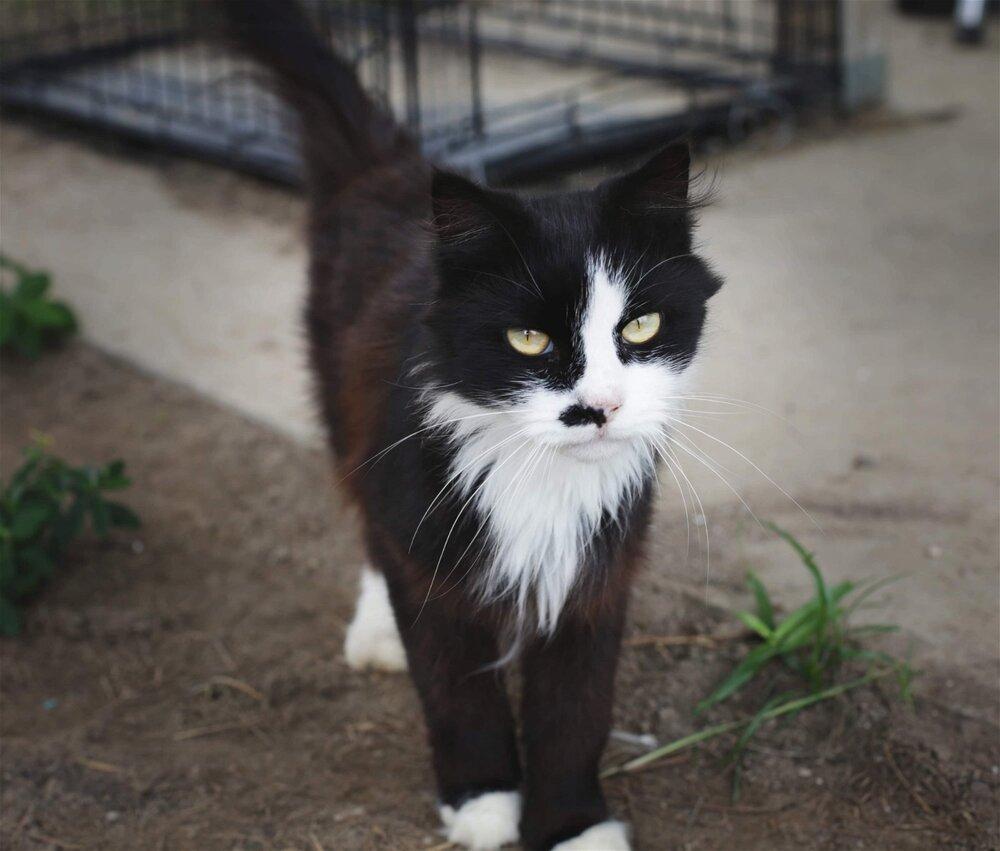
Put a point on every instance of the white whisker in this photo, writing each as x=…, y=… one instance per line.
x=435, y=425
x=752, y=464
x=687, y=515
x=701, y=510
x=492, y=472
x=454, y=478
x=515, y=480
x=708, y=464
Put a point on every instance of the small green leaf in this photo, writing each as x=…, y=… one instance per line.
x=113, y=477
x=28, y=519
x=764, y=608
x=31, y=286
x=754, y=623
x=62, y=318
x=99, y=516
x=68, y=525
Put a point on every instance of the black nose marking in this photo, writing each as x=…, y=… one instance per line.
x=576, y=415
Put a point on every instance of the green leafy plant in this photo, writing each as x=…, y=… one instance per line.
x=46, y=504
x=29, y=319
x=814, y=642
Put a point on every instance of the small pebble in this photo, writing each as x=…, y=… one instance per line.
x=138, y=547
x=112, y=816
x=863, y=462
x=934, y=551
x=805, y=772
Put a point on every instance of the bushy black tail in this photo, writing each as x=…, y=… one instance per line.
x=343, y=132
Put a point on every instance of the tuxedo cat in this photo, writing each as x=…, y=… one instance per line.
x=497, y=373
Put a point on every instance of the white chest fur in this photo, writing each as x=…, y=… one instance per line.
x=538, y=507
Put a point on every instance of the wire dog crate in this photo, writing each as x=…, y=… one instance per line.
x=499, y=88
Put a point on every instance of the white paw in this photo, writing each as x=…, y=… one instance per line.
x=372, y=638
x=484, y=823
x=606, y=836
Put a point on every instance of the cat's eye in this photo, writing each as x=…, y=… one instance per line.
x=642, y=329
x=528, y=342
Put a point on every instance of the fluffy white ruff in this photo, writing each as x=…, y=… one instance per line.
x=606, y=836
x=541, y=488
x=372, y=638
x=484, y=823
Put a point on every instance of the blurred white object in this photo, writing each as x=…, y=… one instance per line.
x=969, y=20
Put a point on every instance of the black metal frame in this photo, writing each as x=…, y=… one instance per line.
x=144, y=68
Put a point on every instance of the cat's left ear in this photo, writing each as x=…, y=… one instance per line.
x=660, y=186
x=465, y=212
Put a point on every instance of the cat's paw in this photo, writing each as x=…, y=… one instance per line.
x=484, y=823
x=606, y=836
x=372, y=638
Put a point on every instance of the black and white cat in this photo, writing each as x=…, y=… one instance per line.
x=498, y=374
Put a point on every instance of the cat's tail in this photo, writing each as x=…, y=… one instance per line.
x=343, y=132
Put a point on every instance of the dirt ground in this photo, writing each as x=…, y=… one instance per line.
x=183, y=687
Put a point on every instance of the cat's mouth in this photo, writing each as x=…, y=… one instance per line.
x=596, y=448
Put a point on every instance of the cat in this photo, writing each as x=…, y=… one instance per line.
x=497, y=373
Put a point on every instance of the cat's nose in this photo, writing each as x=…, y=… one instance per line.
x=607, y=403
x=596, y=410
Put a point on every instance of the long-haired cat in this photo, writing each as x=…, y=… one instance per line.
x=497, y=373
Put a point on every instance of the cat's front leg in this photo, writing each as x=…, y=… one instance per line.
x=469, y=721
x=568, y=692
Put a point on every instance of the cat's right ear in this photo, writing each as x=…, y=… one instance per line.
x=465, y=212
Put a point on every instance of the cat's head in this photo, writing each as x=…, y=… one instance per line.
x=578, y=313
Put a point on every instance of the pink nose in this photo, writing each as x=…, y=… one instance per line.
x=607, y=404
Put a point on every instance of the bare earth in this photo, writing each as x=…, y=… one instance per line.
x=184, y=688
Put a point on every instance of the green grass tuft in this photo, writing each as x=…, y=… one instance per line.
x=815, y=642
x=46, y=504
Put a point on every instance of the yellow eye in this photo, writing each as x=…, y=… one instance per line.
x=528, y=342
x=642, y=329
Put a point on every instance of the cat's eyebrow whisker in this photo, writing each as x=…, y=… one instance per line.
x=517, y=284
x=635, y=265
x=737, y=452
x=656, y=266
x=453, y=479
x=527, y=268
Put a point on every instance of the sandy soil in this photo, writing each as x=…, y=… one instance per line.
x=183, y=687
